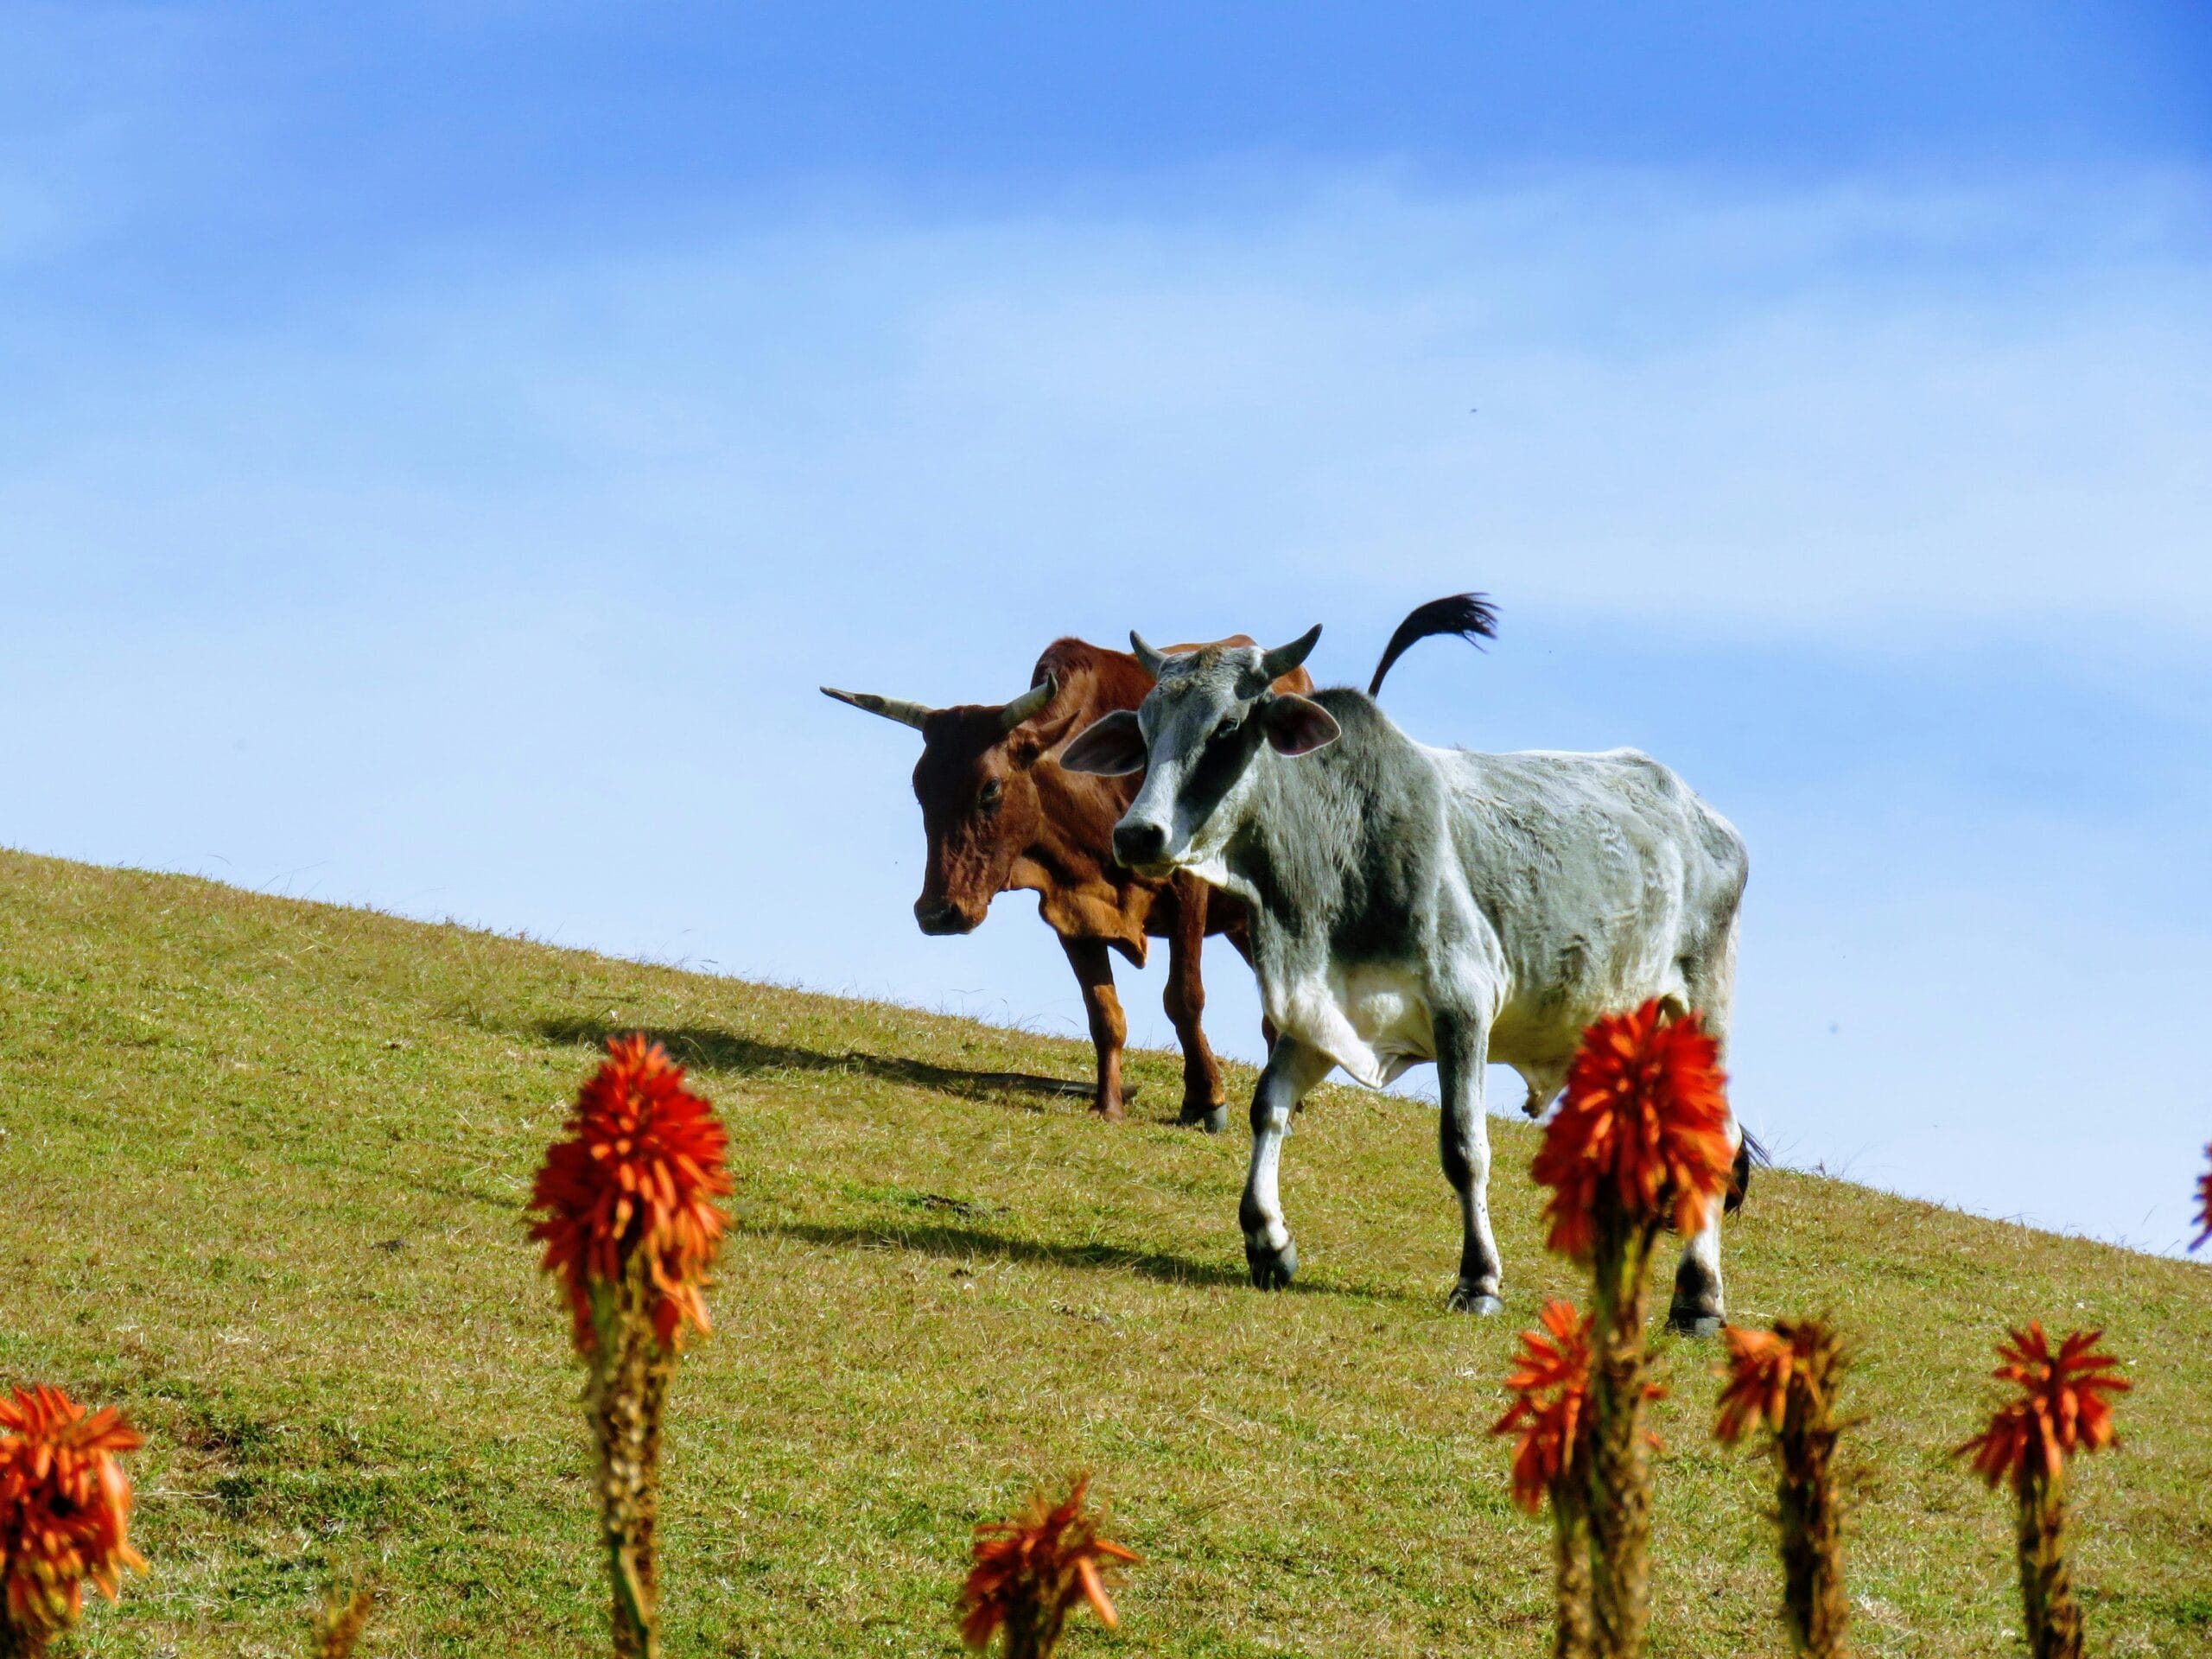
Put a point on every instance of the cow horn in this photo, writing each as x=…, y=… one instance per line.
x=1150, y=660
x=1279, y=662
x=1029, y=704
x=906, y=714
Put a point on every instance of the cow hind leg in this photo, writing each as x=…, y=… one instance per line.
x=1269, y=1251
x=1697, y=1307
x=1463, y=1147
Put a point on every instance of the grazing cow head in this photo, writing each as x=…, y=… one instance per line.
x=1196, y=738
x=978, y=796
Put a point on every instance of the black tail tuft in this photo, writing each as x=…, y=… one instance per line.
x=1752, y=1154
x=1471, y=616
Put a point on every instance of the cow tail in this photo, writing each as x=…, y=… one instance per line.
x=1471, y=616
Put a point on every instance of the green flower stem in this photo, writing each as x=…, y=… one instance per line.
x=1571, y=1636
x=2046, y=1576
x=1620, y=1475
x=625, y=1394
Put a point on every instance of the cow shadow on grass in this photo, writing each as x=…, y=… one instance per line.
x=949, y=1243
x=714, y=1050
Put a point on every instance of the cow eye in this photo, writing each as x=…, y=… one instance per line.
x=1229, y=723
x=990, y=797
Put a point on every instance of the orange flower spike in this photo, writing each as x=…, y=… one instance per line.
x=2063, y=1407
x=1643, y=1123
x=1758, y=1389
x=1550, y=1384
x=65, y=1506
x=1030, y=1571
x=2204, y=1202
x=643, y=1157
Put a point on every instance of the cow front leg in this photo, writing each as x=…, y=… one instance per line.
x=1696, y=1309
x=1291, y=1070
x=1239, y=932
x=1463, y=1147
x=1093, y=971
x=1204, y=1101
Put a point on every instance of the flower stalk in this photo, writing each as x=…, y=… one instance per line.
x=1640, y=1142
x=64, y=1514
x=1550, y=1418
x=1032, y=1572
x=1786, y=1379
x=629, y=1231
x=2062, y=1409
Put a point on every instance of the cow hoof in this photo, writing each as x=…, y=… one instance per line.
x=1481, y=1302
x=1271, y=1270
x=1212, y=1119
x=1694, y=1322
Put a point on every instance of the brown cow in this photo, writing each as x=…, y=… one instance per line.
x=1000, y=814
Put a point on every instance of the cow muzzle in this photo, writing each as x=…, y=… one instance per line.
x=1141, y=846
x=938, y=917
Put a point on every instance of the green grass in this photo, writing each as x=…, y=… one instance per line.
x=264, y=1165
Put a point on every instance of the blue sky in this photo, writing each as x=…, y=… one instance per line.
x=442, y=447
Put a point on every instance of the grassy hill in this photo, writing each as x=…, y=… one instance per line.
x=263, y=1164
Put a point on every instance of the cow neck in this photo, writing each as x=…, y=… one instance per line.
x=1085, y=893
x=1321, y=838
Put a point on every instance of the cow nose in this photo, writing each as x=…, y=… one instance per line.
x=940, y=916
x=1136, y=844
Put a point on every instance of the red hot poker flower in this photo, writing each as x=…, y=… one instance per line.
x=2204, y=1202
x=1030, y=1571
x=1644, y=1125
x=65, y=1506
x=643, y=1158
x=1550, y=1411
x=1761, y=1366
x=1759, y=1363
x=1550, y=1386
x=2062, y=1408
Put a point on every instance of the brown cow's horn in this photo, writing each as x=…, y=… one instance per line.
x=1280, y=661
x=906, y=714
x=1150, y=660
x=1029, y=704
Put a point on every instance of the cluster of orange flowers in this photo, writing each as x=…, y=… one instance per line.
x=2062, y=1409
x=2204, y=1202
x=1550, y=1386
x=1030, y=1572
x=1550, y=1414
x=1761, y=1366
x=1641, y=1128
x=642, y=1161
x=65, y=1507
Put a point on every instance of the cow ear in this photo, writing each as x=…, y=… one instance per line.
x=1298, y=725
x=1111, y=747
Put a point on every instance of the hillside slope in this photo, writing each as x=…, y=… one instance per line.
x=264, y=1165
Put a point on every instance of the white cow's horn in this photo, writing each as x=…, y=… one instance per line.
x=906, y=714
x=1150, y=660
x=1280, y=661
x=1028, y=705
